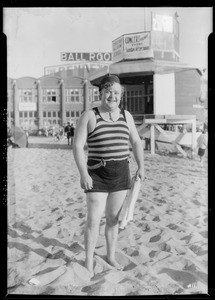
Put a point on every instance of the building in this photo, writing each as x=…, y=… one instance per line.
x=58, y=97
x=159, y=90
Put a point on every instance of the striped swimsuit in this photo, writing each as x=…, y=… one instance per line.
x=109, y=143
x=109, y=140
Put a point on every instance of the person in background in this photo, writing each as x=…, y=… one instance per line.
x=202, y=143
x=67, y=131
x=72, y=132
x=105, y=174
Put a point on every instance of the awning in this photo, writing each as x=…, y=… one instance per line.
x=139, y=68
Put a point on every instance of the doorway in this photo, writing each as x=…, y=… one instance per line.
x=138, y=100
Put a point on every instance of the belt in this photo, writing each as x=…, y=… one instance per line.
x=100, y=164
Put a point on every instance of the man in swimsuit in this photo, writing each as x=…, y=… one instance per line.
x=105, y=175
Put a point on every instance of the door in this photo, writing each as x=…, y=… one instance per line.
x=134, y=101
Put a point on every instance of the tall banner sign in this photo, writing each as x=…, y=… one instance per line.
x=162, y=23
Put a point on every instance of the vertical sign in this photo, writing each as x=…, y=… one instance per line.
x=117, y=49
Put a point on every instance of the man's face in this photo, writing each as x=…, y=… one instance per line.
x=111, y=96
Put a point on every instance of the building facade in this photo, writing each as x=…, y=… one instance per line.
x=36, y=103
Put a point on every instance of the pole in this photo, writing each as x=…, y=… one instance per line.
x=39, y=105
x=193, y=137
x=86, y=94
x=152, y=139
x=15, y=104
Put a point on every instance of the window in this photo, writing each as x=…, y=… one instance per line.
x=25, y=95
x=25, y=114
x=67, y=114
x=44, y=114
x=49, y=114
x=90, y=95
x=93, y=95
x=35, y=114
x=58, y=114
x=72, y=114
x=96, y=95
x=54, y=114
x=20, y=114
x=77, y=113
x=30, y=114
x=74, y=95
x=50, y=95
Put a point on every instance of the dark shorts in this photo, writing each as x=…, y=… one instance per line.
x=113, y=177
x=201, y=152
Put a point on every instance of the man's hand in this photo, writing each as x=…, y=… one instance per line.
x=141, y=174
x=86, y=182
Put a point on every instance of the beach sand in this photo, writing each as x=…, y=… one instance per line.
x=164, y=250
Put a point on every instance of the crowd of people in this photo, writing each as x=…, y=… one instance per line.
x=57, y=132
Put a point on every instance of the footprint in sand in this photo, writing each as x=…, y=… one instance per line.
x=146, y=227
x=187, y=238
x=198, y=250
x=172, y=226
x=153, y=253
x=155, y=238
x=186, y=279
x=156, y=219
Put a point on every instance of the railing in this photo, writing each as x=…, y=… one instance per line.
x=138, y=118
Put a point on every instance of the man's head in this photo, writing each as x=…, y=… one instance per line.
x=110, y=92
x=108, y=80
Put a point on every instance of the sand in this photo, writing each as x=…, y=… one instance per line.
x=164, y=250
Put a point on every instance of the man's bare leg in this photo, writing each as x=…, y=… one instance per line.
x=113, y=206
x=95, y=209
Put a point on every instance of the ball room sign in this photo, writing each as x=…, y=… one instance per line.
x=86, y=56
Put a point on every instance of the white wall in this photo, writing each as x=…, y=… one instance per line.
x=164, y=94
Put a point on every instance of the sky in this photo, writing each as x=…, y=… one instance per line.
x=37, y=36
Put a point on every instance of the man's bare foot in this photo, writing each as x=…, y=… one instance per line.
x=89, y=267
x=115, y=264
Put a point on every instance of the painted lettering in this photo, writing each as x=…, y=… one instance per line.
x=99, y=56
x=107, y=56
x=70, y=57
x=63, y=56
x=92, y=56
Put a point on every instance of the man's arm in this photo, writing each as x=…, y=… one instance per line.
x=80, y=139
x=136, y=146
